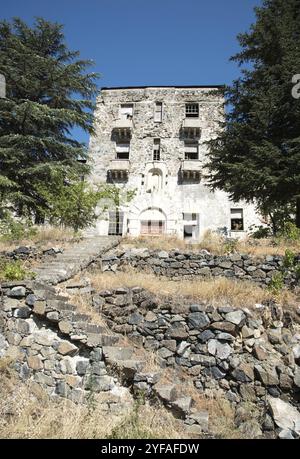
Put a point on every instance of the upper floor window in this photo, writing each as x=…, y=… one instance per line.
x=237, y=219
x=189, y=217
x=126, y=111
x=191, y=150
x=122, y=150
x=158, y=112
x=192, y=110
x=156, y=150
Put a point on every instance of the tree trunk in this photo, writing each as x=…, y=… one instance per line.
x=298, y=211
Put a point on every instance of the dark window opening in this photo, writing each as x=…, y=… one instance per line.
x=156, y=150
x=122, y=150
x=191, y=150
x=192, y=110
x=237, y=220
x=158, y=112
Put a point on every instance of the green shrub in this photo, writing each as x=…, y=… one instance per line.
x=261, y=232
x=14, y=270
x=16, y=230
x=289, y=259
x=230, y=245
x=277, y=283
x=290, y=232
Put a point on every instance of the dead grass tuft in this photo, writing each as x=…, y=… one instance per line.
x=216, y=244
x=217, y=291
x=26, y=411
x=46, y=237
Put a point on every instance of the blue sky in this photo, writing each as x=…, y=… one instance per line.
x=148, y=42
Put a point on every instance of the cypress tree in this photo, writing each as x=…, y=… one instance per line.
x=256, y=156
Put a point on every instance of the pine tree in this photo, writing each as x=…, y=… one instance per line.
x=48, y=92
x=256, y=157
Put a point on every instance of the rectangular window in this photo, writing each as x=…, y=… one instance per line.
x=191, y=150
x=122, y=150
x=192, y=110
x=237, y=219
x=156, y=150
x=189, y=217
x=126, y=111
x=158, y=112
x=115, y=226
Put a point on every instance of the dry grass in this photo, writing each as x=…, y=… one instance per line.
x=26, y=411
x=216, y=291
x=216, y=244
x=47, y=236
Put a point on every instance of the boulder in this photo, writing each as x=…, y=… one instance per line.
x=198, y=320
x=166, y=392
x=221, y=351
x=182, y=406
x=17, y=292
x=267, y=375
x=237, y=317
x=285, y=416
x=66, y=348
x=201, y=418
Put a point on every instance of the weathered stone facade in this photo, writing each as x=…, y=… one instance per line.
x=152, y=140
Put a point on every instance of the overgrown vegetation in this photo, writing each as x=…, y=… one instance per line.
x=220, y=245
x=14, y=270
x=216, y=291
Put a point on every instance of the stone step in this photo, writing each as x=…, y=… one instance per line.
x=114, y=353
x=96, y=339
x=90, y=327
x=78, y=317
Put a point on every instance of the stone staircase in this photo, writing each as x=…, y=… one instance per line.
x=74, y=259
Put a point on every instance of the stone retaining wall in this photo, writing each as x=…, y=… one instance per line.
x=50, y=344
x=245, y=356
x=176, y=264
x=249, y=357
x=55, y=347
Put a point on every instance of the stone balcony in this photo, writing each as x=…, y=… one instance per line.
x=190, y=129
x=119, y=165
x=123, y=123
x=191, y=123
x=189, y=165
x=122, y=129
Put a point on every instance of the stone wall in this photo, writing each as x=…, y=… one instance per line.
x=248, y=357
x=55, y=347
x=52, y=345
x=173, y=196
x=177, y=264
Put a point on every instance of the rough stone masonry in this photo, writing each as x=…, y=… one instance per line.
x=153, y=140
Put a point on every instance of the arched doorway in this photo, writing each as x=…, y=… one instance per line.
x=153, y=222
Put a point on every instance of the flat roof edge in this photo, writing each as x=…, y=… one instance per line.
x=216, y=86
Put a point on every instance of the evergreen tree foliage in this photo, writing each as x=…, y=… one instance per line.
x=48, y=92
x=256, y=156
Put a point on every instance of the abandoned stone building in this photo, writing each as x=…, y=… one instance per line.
x=153, y=140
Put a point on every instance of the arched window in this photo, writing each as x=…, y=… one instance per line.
x=154, y=180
